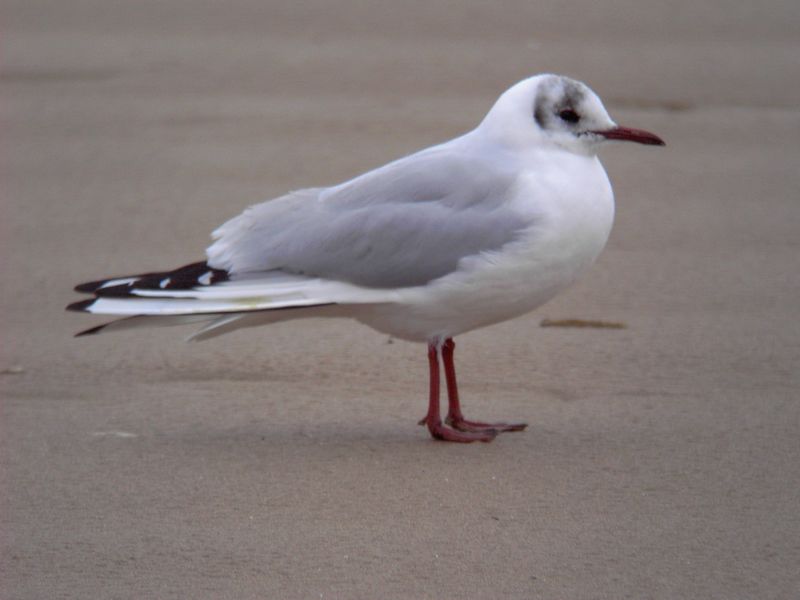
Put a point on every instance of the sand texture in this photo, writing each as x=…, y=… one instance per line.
x=662, y=457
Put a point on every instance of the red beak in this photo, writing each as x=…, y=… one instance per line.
x=628, y=134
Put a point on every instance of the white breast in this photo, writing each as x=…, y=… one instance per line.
x=572, y=208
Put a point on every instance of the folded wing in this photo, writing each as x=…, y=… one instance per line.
x=403, y=225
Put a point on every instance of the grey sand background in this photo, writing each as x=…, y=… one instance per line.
x=661, y=461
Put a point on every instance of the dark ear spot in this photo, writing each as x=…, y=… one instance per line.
x=539, y=112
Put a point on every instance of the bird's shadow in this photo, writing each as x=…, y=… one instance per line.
x=330, y=440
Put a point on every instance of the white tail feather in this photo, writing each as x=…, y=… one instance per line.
x=245, y=295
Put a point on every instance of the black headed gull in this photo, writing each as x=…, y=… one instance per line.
x=480, y=229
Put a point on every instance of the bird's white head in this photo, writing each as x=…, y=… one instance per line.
x=557, y=110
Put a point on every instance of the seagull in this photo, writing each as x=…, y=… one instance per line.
x=471, y=232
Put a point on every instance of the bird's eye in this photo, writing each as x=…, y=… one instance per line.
x=569, y=115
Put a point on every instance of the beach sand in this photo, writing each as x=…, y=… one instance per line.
x=661, y=459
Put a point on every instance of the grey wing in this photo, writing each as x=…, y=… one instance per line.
x=401, y=225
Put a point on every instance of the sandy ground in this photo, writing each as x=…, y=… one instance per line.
x=662, y=460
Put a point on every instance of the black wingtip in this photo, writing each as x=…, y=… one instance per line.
x=91, y=330
x=90, y=287
x=115, y=291
x=182, y=278
x=82, y=305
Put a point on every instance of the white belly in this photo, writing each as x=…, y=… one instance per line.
x=571, y=223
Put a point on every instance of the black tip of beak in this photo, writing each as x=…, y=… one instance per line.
x=628, y=134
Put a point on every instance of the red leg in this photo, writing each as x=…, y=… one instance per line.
x=454, y=416
x=433, y=419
